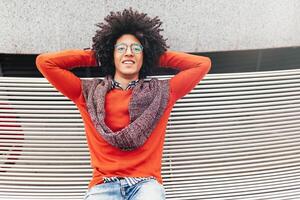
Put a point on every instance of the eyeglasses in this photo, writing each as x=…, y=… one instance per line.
x=135, y=48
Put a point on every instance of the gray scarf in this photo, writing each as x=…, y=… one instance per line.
x=147, y=105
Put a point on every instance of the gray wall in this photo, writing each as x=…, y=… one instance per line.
x=35, y=26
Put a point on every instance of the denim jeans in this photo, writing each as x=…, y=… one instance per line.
x=120, y=190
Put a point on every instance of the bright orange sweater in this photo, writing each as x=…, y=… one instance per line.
x=106, y=160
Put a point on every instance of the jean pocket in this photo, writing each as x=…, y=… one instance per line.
x=97, y=189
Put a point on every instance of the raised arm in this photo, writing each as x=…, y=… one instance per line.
x=192, y=70
x=55, y=68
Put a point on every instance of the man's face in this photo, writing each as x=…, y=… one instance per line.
x=128, y=57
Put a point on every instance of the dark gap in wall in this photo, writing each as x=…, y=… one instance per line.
x=20, y=65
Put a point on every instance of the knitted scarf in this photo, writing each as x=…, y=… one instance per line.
x=146, y=106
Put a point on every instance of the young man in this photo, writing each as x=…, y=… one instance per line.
x=125, y=117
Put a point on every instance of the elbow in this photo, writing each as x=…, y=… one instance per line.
x=206, y=63
x=40, y=59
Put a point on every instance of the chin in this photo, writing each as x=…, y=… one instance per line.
x=130, y=72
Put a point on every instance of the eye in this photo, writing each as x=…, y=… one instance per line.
x=137, y=48
x=121, y=48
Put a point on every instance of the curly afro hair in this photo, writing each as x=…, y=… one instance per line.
x=145, y=29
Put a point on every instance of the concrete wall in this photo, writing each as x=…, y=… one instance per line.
x=35, y=26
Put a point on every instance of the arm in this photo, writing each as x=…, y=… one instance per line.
x=192, y=70
x=55, y=67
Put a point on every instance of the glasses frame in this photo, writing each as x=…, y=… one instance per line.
x=131, y=47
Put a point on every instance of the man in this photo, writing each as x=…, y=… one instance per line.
x=125, y=117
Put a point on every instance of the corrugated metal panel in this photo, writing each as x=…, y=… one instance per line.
x=235, y=136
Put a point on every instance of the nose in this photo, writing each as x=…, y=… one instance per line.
x=128, y=52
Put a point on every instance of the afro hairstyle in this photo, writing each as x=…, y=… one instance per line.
x=145, y=29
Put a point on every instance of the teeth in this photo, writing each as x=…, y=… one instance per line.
x=128, y=62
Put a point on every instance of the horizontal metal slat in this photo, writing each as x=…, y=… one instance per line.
x=30, y=102
x=36, y=106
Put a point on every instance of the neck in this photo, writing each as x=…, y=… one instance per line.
x=124, y=81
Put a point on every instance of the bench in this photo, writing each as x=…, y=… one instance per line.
x=235, y=136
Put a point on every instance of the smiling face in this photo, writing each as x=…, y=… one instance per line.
x=127, y=57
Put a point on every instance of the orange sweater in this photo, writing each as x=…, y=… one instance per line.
x=107, y=160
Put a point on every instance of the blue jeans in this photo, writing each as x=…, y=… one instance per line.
x=120, y=190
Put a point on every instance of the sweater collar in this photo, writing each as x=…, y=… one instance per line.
x=116, y=85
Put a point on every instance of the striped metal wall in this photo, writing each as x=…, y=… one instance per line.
x=235, y=136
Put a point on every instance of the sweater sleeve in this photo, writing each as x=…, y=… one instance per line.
x=192, y=70
x=56, y=67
